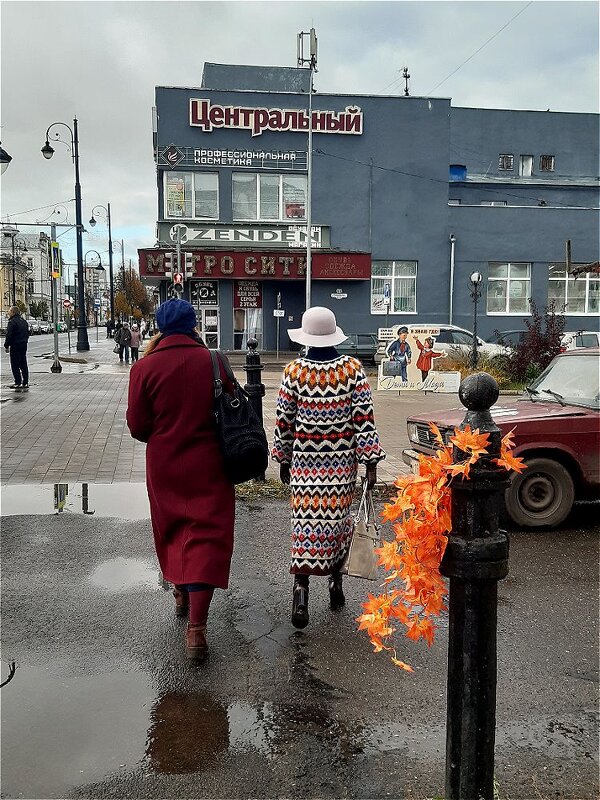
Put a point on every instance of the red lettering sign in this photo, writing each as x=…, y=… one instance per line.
x=261, y=265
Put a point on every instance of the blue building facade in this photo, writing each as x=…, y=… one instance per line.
x=409, y=197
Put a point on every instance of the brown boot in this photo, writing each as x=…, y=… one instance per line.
x=195, y=643
x=182, y=601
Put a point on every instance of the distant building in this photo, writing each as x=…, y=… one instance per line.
x=32, y=274
x=409, y=197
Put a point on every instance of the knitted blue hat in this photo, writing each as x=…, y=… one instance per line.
x=176, y=316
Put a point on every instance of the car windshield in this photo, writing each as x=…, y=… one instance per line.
x=574, y=379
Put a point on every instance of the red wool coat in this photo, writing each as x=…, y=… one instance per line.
x=192, y=504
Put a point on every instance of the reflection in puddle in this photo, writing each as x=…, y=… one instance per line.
x=61, y=731
x=124, y=574
x=122, y=500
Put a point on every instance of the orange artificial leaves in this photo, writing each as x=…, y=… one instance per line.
x=421, y=521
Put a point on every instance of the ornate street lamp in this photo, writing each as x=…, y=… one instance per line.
x=48, y=152
x=5, y=160
x=474, y=284
x=110, y=256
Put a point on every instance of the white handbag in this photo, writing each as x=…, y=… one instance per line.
x=361, y=560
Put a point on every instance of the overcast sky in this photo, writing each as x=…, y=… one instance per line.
x=100, y=61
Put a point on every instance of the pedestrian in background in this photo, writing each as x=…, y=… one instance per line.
x=124, y=342
x=110, y=324
x=135, y=343
x=192, y=502
x=15, y=343
x=143, y=329
x=324, y=429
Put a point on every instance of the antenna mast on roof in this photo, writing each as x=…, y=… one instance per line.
x=311, y=61
x=406, y=77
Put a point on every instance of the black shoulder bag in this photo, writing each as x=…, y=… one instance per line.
x=241, y=433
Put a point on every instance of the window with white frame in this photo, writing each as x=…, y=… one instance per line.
x=191, y=195
x=579, y=295
x=268, y=196
x=546, y=163
x=505, y=161
x=508, y=288
x=401, y=280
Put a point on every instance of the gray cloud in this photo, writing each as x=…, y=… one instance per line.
x=101, y=62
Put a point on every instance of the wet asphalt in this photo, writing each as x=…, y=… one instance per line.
x=103, y=704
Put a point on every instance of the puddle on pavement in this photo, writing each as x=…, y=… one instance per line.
x=59, y=731
x=124, y=575
x=122, y=500
x=112, y=723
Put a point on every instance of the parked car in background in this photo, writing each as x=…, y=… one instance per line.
x=46, y=327
x=569, y=340
x=360, y=345
x=62, y=327
x=508, y=339
x=449, y=338
x=574, y=339
x=556, y=431
x=35, y=327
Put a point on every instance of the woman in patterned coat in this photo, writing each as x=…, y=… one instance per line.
x=324, y=430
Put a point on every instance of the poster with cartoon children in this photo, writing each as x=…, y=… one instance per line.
x=410, y=362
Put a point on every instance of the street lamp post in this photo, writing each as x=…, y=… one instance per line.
x=48, y=152
x=475, y=283
x=110, y=256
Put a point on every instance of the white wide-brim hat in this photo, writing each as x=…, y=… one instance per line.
x=319, y=329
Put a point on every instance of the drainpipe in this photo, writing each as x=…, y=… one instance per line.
x=452, y=245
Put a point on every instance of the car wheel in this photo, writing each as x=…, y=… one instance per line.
x=541, y=496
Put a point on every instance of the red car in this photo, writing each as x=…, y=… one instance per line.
x=557, y=432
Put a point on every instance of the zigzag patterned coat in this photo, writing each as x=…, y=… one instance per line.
x=324, y=429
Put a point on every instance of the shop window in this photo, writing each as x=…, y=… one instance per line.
x=505, y=161
x=30, y=286
x=546, y=163
x=401, y=279
x=526, y=166
x=575, y=295
x=263, y=196
x=508, y=288
x=191, y=195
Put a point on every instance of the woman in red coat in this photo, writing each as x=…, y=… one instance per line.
x=192, y=503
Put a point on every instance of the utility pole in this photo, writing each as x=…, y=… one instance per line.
x=312, y=65
x=55, y=271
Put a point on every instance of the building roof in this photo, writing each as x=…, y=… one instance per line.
x=238, y=77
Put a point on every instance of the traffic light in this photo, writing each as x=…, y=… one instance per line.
x=189, y=265
x=169, y=258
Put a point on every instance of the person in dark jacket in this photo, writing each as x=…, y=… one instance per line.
x=192, y=502
x=123, y=339
x=15, y=343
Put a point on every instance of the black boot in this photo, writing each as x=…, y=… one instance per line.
x=300, y=602
x=336, y=593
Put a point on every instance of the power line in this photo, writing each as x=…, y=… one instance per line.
x=479, y=49
x=50, y=205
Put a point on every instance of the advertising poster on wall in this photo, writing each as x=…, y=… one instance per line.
x=410, y=363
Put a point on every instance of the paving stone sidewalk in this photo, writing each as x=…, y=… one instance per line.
x=71, y=427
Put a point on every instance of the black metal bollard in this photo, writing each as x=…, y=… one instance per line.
x=254, y=386
x=476, y=558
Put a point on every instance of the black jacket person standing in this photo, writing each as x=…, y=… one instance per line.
x=17, y=335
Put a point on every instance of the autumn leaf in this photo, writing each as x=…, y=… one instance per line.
x=470, y=441
x=402, y=664
x=508, y=461
x=436, y=433
x=508, y=440
x=460, y=469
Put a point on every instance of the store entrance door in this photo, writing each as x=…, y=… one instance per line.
x=208, y=324
x=247, y=324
